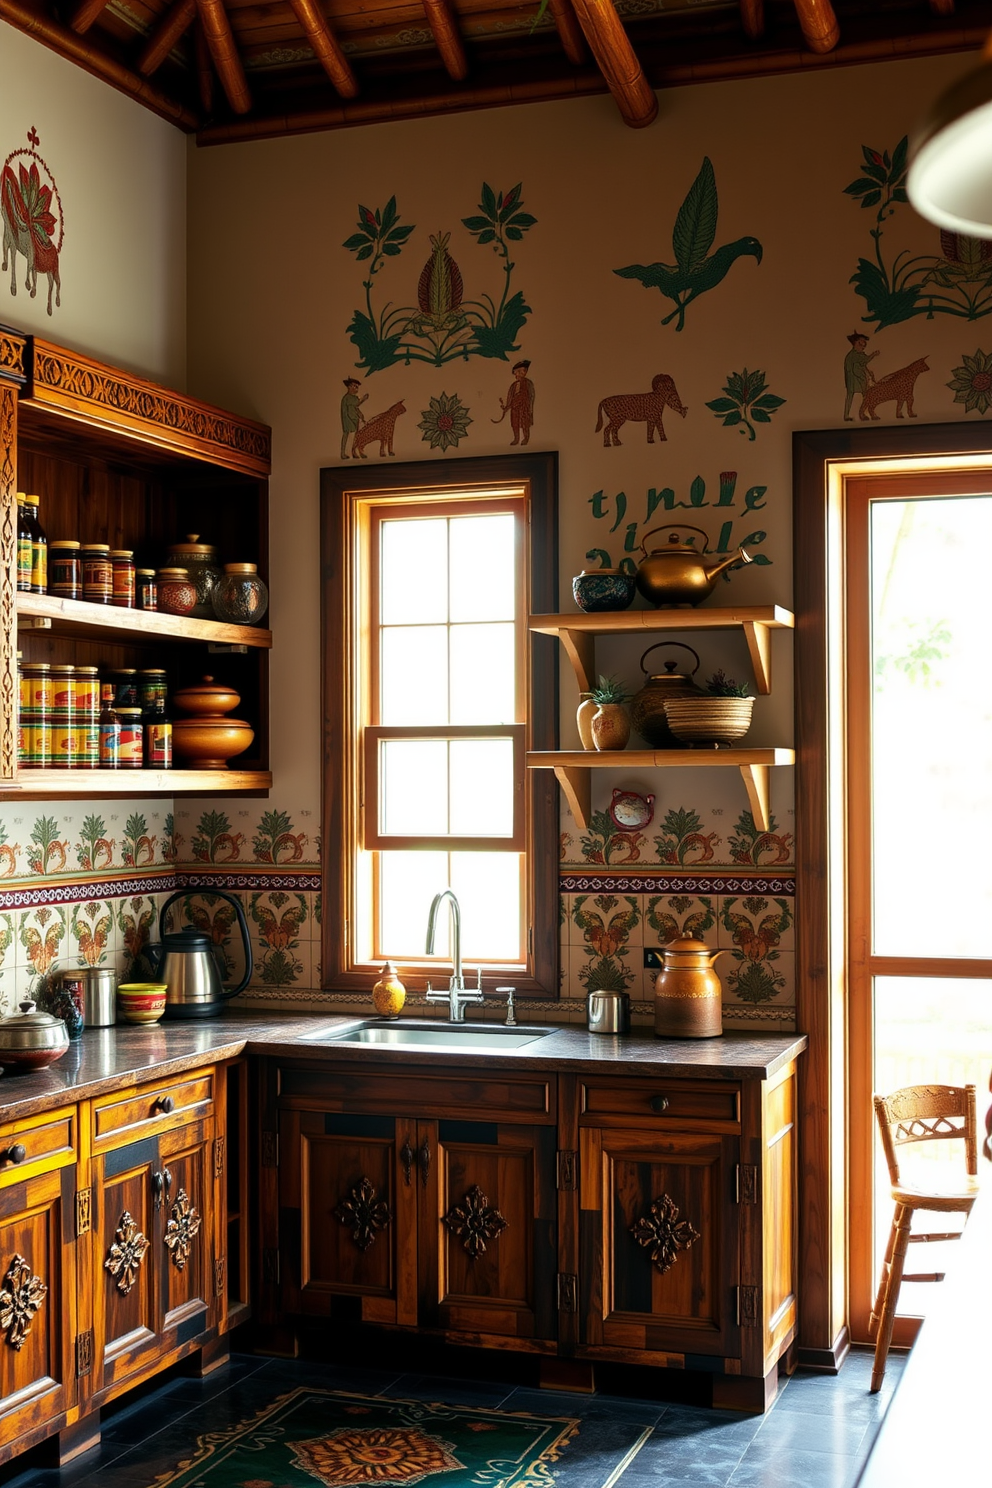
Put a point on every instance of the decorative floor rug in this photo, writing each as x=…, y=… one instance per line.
x=359, y=1441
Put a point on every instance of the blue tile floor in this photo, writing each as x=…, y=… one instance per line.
x=817, y=1435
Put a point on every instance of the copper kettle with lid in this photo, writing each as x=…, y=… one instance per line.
x=679, y=573
x=647, y=707
x=688, y=996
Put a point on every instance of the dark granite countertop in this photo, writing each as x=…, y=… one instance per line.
x=107, y=1059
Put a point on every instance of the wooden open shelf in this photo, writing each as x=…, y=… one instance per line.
x=83, y=784
x=577, y=632
x=75, y=617
x=572, y=770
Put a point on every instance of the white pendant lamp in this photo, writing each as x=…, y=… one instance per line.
x=950, y=174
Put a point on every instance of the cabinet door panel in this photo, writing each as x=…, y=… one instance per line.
x=348, y=1201
x=126, y=1227
x=660, y=1252
x=489, y=1262
x=37, y=1304
x=185, y=1245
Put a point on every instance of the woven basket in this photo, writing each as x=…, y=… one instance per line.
x=709, y=720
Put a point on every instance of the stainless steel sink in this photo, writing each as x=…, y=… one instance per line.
x=423, y=1035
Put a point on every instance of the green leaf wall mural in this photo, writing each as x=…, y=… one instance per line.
x=746, y=402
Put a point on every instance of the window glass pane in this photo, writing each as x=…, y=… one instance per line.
x=408, y=882
x=482, y=568
x=931, y=725
x=414, y=675
x=481, y=787
x=482, y=674
x=928, y=1030
x=488, y=889
x=413, y=787
x=414, y=575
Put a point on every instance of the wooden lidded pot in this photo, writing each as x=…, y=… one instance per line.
x=688, y=996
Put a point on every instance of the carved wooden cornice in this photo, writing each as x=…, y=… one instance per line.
x=80, y=388
x=13, y=360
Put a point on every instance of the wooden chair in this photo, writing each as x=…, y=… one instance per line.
x=919, y=1113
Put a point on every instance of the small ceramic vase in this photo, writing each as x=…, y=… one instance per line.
x=240, y=597
x=610, y=726
x=583, y=722
x=603, y=589
x=389, y=993
x=176, y=592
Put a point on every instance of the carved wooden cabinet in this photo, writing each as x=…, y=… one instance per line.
x=410, y=1199
x=154, y=1228
x=117, y=459
x=37, y=1271
x=686, y=1244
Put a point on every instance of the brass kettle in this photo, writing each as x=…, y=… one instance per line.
x=679, y=573
x=688, y=997
x=647, y=707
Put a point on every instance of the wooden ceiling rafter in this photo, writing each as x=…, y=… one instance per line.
x=942, y=7
x=447, y=38
x=224, y=51
x=326, y=47
x=86, y=13
x=617, y=61
x=569, y=31
x=818, y=21
x=753, y=18
x=204, y=69
x=173, y=25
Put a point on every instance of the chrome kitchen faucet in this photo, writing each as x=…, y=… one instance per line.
x=456, y=996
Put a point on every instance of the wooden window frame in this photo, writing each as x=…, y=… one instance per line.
x=828, y=1167
x=345, y=584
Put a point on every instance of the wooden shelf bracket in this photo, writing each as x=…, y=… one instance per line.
x=580, y=648
x=756, y=784
x=577, y=786
x=759, y=646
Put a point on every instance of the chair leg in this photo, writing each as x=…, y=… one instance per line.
x=883, y=1277
x=893, y=1281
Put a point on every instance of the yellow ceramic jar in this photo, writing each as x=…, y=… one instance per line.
x=389, y=993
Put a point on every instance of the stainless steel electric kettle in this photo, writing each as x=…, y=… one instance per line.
x=188, y=962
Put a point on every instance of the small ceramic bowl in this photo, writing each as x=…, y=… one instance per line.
x=141, y=1002
x=603, y=589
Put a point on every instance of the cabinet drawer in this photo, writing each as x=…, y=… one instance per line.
x=37, y=1145
x=464, y=1093
x=161, y=1106
x=690, y=1104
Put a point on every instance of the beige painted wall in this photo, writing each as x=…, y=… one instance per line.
x=121, y=174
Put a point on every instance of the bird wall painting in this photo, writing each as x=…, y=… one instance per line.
x=696, y=269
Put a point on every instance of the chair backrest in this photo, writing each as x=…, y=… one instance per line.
x=928, y=1113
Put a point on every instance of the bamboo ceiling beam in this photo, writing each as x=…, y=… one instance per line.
x=617, y=60
x=753, y=18
x=204, y=69
x=86, y=13
x=165, y=35
x=446, y=38
x=67, y=44
x=819, y=24
x=224, y=51
x=569, y=31
x=326, y=47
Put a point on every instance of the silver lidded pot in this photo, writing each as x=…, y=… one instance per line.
x=30, y=1040
x=609, y=1012
x=99, y=992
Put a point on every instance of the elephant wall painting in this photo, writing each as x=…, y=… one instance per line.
x=33, y=224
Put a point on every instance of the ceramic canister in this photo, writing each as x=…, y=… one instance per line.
x=688, y=997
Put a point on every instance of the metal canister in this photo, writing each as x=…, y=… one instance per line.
x=62, y=717
x=98, y=574
x=86, y=719
x=608, y=1012
x=36, y=687
x=132, y=739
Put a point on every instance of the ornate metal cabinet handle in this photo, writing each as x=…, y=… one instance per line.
x=164, y=1105
x=158, y=1188
x=424, y=1160
x=406, y=1158
x=168, y=1183
x=15, y=1154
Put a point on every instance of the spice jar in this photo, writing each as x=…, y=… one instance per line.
x=124, y=576
x=240, y=596
x=200, y=562
x=35, y=715
x=86, y=719
x=110, y=729
x=176, y=591
x=147, y=589
x=153, y=686
x=98, y=574
x=125, y=685
x=132, y=747
x=65, y=570
x=63, y=708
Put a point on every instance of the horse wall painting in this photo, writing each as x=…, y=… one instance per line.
x=33, y=225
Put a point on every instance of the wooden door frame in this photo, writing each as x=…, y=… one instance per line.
x=821, y=460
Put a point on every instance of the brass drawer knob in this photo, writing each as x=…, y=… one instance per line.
x=15, y=1154
x=164, y=1104
x=659, y=1103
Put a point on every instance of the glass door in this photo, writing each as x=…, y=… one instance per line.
x=919, y=762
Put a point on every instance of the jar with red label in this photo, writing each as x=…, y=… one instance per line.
x=131, y=749
x=62, y=716
x=98, y=574
x=86, y=719
x=122, y=562
x=65, y=570
x=36, y=687
x=147, y=588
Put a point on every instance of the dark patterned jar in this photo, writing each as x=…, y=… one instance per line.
x=98, y=574
x=240, y=596
x=200, y=562
x=147, y=589
x=65, y=570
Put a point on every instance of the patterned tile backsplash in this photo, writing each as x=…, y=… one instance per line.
x=84, y=883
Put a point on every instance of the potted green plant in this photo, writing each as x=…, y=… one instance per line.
x=602, y=717
x=722, y=715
